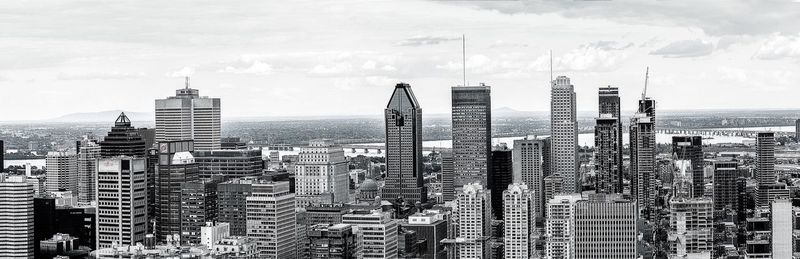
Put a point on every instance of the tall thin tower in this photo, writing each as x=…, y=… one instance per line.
x=564, y=132
x=403, y=117
x=472, y=134
x=608, y=142
x=189, y=116
x=643, y=148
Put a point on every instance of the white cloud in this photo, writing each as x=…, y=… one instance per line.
x=183, y=72
x=256, y=68
x=596, y=56
x=332, y=69
x=779, y=46
x=685, y=49
x=426, y=40
x=99, y=75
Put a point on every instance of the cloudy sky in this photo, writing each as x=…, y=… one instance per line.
x=342, y=57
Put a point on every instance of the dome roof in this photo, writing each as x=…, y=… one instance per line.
x=369, y=185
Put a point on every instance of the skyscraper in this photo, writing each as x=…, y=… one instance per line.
x=188, y=116
x=62, y=172
x=605, y=227
x=404, y=147
x=123, y=140
x=643, y=148
x=431, y=227
x=691, y=218
x=198, y=206
x=448, y=185
x=472, y=134
x=796, y=131
x=271, y=220
x=121, y=199
x=16, y=222
x=608, y=142
x=176, y=166
x=2, y=156
x=782, y=225
x=725, y=175
x=691, y=148
x=376, y=232
x=518, y=224
x=232, y=203
x=560, y=226
x=501, y=171
x=321, y=169
x=87, y=170
x=474, y=221
x=332, y=241
x=765, y=158
x=528, y=168
x=564, y=134
x=233, y=163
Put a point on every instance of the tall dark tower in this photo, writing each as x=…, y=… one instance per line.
x=2, y=156
x=502, y=175
x=404, y=147
x=123, y=140
x=472, y=134
x=608, y=142
x=691, y=148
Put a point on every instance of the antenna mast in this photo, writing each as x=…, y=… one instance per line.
x=187, y=82
x=464, y=57
x=646, y=77
x=551, y=67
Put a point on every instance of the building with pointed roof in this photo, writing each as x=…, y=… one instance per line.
x=403, y=117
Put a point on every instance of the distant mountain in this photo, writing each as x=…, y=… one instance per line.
x=508, y=112
x=103, y=116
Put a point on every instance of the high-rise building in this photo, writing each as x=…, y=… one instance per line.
x=198, y=206
x=528, y=168
x=605, y=227
x=62, y=172
x=189, y=116
x=431, y=228
x=231, y=143
x=560, y=226
x=329, y=214
x=765, y=158
x=232, y=203
x=89, y=152
x=608, y=142
x=782, y=225
x=643, y=149
x=691, y=148
x=376, y=232
x=332, y=241
x=502, y=176
x=123, y=140
x=404, y=147
x=518, y=223
x=16, y=218
x=472, y=134
x=547, y=156
x=271, y=220
x=725, y=175
x=122, y=201
x=175, y=166
x=564, y=135
x=229, y=163
x=2, y=156
x=448, y=185
x=691, y=218
x=474, y=221
x=321, y=170
x=797, y=130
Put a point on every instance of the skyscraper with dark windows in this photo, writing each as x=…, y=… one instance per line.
x=643, y=148
x=528, y=167
x=403, y=117
x=123, y=140
x=502, y=175
x=2, y=156
x=175, y=167
x=472, y=134
x=608, y=142
x=187, y=115
x=765, y=158
x=725, y=176
x=564, y=135
x=691, y=148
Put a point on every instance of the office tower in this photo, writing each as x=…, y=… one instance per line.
x=152, y=176
x=2, y=156
x=560, y=226
x=232, y=203
x=321, y=170
x=187, y=115
x=691, y=218
x=519, y=211
x=608, y=142
x=62, y=172
x=329, y=214
x=691, y=148
x=148, y=135
x=766, y=193
x=474, y=221
x=472, y=134
x=404, y=147
x=271, y=219
x=232, y=143
x=552, y=185
x=123, y=140
x=431, y=228
x=564, y=135
x=332, y=241
x=765, y=158
x=782, y=224
x=725, y=175
x=796, y=130
x=501, y=172
x=175, y=166
x=547, y=156
x=198, y=206
x=376, y=232
x=605, y=227
x=642, y=148
x=448, y=187
x=17, y=220
x=229, y=163
x=528, y=168
x=88, y=154
x=122, y=201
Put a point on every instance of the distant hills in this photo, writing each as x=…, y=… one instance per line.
x=103, y=116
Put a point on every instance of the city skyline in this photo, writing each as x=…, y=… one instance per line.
x=506, y=47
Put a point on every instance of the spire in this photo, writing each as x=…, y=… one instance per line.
x=122, y=120
x=187, y=82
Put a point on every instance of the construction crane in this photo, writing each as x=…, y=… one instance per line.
x=646, y=77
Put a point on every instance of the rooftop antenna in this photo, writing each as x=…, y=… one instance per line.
x=551, y=67
x=187, y=82
x=646, y=77
x=464, y=57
